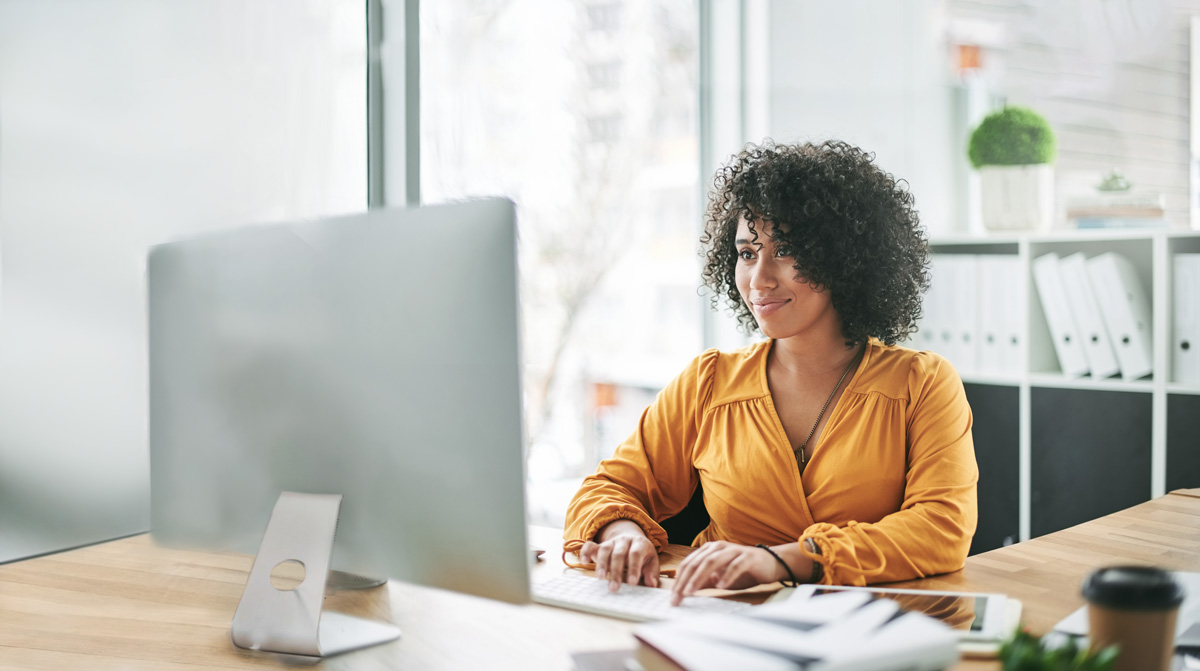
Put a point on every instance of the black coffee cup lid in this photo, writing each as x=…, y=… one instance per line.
x=1133, y=588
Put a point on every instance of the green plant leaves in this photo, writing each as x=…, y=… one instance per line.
x=1012, y=136
x=1026, y=652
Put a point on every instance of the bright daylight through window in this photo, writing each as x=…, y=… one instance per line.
x=584, y=113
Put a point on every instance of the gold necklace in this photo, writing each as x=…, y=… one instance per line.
x=801, y=459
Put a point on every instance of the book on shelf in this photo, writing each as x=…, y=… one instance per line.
x=1116, y=213
x=1120, y=222
x=1117, y=200
x=1117, y=210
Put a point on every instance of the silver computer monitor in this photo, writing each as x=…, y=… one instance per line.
x=374, y=356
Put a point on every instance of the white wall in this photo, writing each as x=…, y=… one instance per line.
x=873, y=73
x=124, y=123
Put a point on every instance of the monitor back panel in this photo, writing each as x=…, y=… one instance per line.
x=374, y=356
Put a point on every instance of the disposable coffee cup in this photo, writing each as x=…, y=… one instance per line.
x=1133, y=607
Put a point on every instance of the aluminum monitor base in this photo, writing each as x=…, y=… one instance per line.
x=290, y=621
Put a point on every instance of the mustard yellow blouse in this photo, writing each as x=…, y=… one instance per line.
x=889, y=493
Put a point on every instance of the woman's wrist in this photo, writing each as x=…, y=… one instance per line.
x=621, y=527
x=818, y=569
x=790, y=553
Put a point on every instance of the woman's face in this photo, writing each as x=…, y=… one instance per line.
x=783, y=304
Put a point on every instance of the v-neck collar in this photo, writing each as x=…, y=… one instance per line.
x=781, y=435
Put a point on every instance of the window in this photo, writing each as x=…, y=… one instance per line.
x=583, y=113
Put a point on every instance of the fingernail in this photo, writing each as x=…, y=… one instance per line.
x=600, y=573
x=632, y=580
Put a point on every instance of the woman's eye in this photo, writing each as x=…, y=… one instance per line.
x=746, y=254
x=781, y=253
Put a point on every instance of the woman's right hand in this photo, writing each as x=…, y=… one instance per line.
x=623, y=554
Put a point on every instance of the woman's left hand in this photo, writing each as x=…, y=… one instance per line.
x=724, y=565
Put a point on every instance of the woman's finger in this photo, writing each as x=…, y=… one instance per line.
x=650, y=569
x=686, y=573
x=603, y=553
x=587, y=553
x=640, y=551
x=703, y=575
x=617, y=561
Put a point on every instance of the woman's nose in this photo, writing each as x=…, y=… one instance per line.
x=762, y=275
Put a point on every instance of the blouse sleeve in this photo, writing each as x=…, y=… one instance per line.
x=931, y=533
x=650, y=476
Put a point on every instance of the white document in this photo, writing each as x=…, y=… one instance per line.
x=1056, y=306
x=1185, y=343
x=1097, y=348
x=1125, y=308
x=868, y=638
x=695, y=653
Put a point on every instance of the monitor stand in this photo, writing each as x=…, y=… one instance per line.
x=290, y=620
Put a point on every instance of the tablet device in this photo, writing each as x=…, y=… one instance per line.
x=982, y=621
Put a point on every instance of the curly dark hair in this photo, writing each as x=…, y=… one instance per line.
x=850, y=227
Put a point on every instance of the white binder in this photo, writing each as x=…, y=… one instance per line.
x=991, y=314
x=942, y=270
x=965, y=311
x=1056, y=306
x=1125, y=308
x=1097, y=348
x=1001, y=314
x=928, y=335
x=1185, y=343
x=1011, y=271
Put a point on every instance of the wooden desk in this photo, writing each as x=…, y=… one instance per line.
x=129, y=604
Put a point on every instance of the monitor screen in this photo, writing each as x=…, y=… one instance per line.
x=375, y=356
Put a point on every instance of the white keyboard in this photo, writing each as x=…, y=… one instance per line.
x=631, y=602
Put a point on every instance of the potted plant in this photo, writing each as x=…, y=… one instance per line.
x=1012, y=148
x=1026, y=652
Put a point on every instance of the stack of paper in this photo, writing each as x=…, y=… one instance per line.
x=835, y=632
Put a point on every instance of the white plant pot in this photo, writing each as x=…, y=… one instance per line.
x=1017, y=197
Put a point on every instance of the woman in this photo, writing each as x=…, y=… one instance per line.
x=826, y=453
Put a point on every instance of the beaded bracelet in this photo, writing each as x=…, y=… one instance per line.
x=818, y=571
x=795, y=583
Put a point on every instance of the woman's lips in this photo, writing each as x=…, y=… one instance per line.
x=769, y=306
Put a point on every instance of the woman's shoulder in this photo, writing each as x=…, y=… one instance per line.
x=728, y=375
x=896, y=371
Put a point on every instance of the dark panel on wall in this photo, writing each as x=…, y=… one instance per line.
x=1090, y=455
x=996, y=432
x=1183, y=441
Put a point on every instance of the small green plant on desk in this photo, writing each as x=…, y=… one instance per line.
x=1026, y=652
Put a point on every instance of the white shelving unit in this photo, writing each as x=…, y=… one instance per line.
x=1151, y=253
